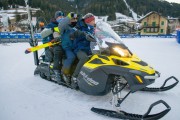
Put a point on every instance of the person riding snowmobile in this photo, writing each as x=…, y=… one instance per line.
x=85, y=28
x=54, y=53
x=66, y=27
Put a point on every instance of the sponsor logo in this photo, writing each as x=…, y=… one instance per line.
x=89, y=80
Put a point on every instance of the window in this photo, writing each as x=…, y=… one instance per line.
x=162, y=30
x=145, y=24
x=144, y=30
x=153, y=24
x=162, y=22
x=156, y=30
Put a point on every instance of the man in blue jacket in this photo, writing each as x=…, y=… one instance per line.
x=85, y=28
x=54, y=53
x=66, y=28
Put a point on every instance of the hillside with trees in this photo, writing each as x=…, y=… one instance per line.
x=98, y=7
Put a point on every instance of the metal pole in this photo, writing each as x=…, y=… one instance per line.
x=77, y=8
x=36, y=61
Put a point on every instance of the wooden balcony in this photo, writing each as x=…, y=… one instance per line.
x=151, y=26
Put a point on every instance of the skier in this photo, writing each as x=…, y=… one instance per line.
x=81, y=44
x=41, y=27
x=54, y=53
x=66, y=27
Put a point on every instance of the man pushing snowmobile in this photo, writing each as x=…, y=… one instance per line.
x=111, y=68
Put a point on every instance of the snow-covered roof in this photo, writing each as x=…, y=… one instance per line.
x=24, y=21
x=123, y=18
x=148, y=14
x=11, y=13
x=101, y=18
x=173, y=18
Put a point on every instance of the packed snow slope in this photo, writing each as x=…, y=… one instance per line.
x=24, y=96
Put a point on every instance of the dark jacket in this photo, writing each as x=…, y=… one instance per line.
x=65, y=30
x=67, y=43
x=81, y=43
x=53, y=23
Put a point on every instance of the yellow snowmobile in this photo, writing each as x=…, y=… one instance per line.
x=111, y=68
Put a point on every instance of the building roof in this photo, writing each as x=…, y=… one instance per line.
x=173, y=18
x=148, y=14
x=11, y=13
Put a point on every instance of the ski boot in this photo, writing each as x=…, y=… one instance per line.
x=74, y=84
x=58, y=76
x=67, y=79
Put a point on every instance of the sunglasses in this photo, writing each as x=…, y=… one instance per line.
x=61, y=14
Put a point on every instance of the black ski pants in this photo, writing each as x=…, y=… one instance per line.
x=55, y=54
x=58, y=54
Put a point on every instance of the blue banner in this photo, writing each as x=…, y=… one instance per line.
x=10, y=35
x=178, y=36
x=139, y=36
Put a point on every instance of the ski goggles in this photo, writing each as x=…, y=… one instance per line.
x=60, y=14
x=73, y=15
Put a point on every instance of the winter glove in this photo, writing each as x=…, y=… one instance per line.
x=76, y=34
x=56, y=36
x=90, y=38
x=57, y=39
x=79, y=33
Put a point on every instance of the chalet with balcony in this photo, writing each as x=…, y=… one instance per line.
x=153, y=24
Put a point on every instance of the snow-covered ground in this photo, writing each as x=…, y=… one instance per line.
x=24, y=96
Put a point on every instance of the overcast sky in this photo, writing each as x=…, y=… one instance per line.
x=176, y=1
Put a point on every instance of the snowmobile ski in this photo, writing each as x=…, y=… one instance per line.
x=124, y=115
x=163, y=87
x=36, y=48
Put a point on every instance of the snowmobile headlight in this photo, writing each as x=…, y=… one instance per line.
x=122, y=52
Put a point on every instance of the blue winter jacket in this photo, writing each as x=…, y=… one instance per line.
x=67, y=43
x=65, y=31
x=81, y=43
x=53, y=23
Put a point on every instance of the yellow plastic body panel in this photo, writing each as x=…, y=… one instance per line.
x=131, y=63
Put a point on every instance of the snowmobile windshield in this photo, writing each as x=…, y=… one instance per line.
x=108, y=42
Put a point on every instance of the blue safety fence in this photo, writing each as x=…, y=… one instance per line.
x=23, y=37
x=139, y=36
x=9, y=35
x=178, y=36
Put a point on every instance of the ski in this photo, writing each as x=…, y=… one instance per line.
x=36, y=48
x=124, y=115
x=163, y=87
